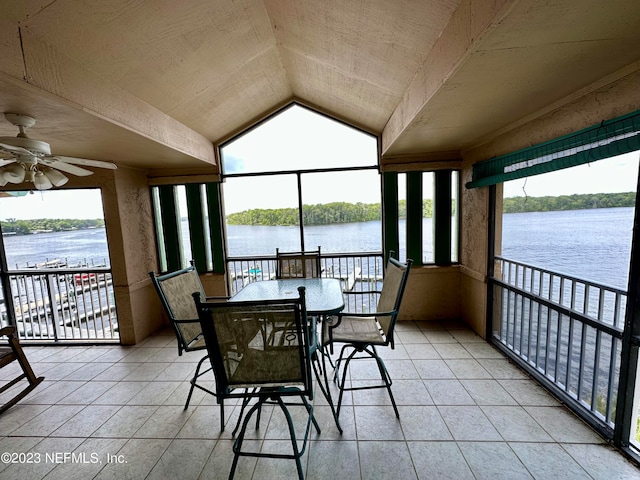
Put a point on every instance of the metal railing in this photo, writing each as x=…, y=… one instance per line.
x=360, y=275
x=565, y=331
x=61, y=304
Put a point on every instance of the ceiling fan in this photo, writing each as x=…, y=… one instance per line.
x=31, y=160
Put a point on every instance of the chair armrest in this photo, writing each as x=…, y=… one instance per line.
x=216, y=299
x=371, y=314
x=7, y=331
x=362, y=292
x=359, y=314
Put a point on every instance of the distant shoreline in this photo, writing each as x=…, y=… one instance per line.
x=14, y=226
x=587, y=201
x=342, y=212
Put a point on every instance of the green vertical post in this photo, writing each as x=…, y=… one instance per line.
x=196, y=226
x=391, y=241
x=215, y=227
x=414, y=217
x=442, y=217
x=170, y=227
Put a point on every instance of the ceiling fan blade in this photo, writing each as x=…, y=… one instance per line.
x=15, y=150
x=83, y=161
x=6, y=161
x=67, y=167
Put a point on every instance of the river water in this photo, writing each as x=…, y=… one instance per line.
x=590, y=244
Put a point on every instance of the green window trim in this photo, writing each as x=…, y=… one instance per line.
x=391, y=240
x=442, y=213
x=414, y=217
x=195, y=216
x=170, y=227
x=608, y=139
x=215, y=227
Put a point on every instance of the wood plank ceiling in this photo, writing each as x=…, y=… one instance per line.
x=157, y=83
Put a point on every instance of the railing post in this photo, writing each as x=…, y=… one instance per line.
x=629, y=351
x=53, y=308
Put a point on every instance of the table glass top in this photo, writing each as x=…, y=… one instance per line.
x=323, y=295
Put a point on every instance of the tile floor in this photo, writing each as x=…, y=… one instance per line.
x=465, y=413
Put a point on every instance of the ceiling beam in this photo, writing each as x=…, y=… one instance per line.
x=470, y=22
x=41, y=66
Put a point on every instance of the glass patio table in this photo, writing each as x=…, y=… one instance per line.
x=323, y=297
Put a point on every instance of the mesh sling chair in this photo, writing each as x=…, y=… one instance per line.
x=261, y=351
x=176, y=290
x=8, y=354
x=298, y=264
x=363, y=332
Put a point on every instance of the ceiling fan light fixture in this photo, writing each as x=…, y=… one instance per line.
x=13, y=173
x=41, y=182
x=55, y=177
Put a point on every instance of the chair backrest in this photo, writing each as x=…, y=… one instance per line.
x=298, y=264
x=176, y=290
x=393, y=286
x=257, y=344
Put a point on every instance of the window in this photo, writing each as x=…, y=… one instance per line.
x=300, y=180
x=261, y=214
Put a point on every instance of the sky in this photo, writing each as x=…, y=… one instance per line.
x=612, y=175
x=80, y=204
x=300, y=139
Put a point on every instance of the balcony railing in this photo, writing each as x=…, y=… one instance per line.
x=61, y=304
x=360, y=275
x=565, y=331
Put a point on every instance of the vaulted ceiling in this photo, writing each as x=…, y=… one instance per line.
x=157, y=83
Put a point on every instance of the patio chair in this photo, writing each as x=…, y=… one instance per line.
x=176, y=290
x=363, y=332
x=8, y=354
x=251, y=363
x=298, y=264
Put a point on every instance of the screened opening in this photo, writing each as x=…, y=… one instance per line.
x=55, y=265
x=577, y=221
x=300, y=180
x=297, y=138
x=54, y=228
x=563, y=273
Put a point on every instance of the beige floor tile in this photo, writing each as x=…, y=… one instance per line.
x=465, y=412
x=439, y=460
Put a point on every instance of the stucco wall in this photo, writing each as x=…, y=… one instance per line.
x=129, y=223
x=432, y=293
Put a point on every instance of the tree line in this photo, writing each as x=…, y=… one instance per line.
x=343, y=212
x=25, y=227
x=569, y=202
x=320, y=214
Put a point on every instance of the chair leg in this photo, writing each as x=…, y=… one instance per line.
x=345, y=369
x=294, y=443
x=384, y=374
x=386, y=378
x=194, y=380
x=297, y=452
x=237, y=445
